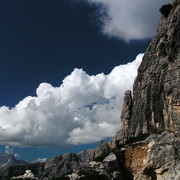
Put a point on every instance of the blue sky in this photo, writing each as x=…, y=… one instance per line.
x=64, y=69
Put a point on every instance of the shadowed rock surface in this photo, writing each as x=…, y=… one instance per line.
x=14, y=171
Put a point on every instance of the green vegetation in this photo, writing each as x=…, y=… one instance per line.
x=165, y=9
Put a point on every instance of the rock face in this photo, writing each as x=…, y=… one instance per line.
x=148, y=145
x=60, y=165
x=50, y=169
x=86, y=155
x=7, y=160
x=155, y=158
x=106, y=169
x=155, y=106
x=102, y=150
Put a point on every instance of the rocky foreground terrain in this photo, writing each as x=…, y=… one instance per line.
x=148, y=145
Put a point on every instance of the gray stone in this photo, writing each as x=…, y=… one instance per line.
x=86, y=155
x=7, y=160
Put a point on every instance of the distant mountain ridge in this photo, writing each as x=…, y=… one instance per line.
x=7, y=160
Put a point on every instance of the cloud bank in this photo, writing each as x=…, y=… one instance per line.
x=83, y=109
x=8, y=149
x=41, y=160
x=129, y=19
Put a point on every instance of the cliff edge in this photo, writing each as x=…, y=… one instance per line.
x=149, y=140
x=155, y=103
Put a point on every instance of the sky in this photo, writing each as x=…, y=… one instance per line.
x=64, y=68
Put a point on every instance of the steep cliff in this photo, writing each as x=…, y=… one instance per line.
x=156, y=97
x=155, y=103
x=149, y=141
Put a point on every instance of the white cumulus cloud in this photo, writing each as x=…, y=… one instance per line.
x=83, y=109
x=129, y=19
x=8, y=149
x=41, y=160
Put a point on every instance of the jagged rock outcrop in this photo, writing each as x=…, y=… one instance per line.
x=86, y=155
x=14, y=171
x=155, y=158
x=27, y=175
x=107, y=169
x=148, y=143
x=60, y=165
x=102, y=150
x=156, y=96
x=155, y=105
x=7, y=160
x=50, y=169
x=126, y=114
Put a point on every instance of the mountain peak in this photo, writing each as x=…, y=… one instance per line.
x=7, y=160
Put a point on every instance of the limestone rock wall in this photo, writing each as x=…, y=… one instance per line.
x=148, y=144
x=155, y=105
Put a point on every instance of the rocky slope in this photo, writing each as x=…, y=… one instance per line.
x=50, y=169
x=7, y=160
x=148, y=145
